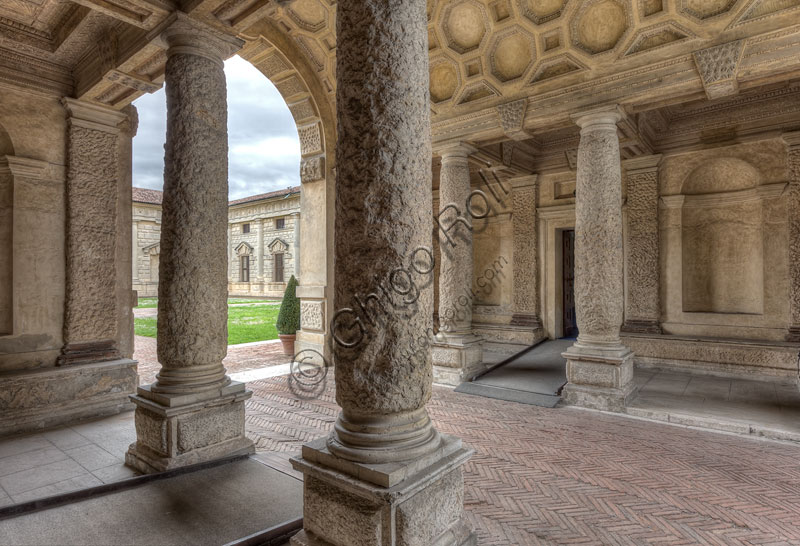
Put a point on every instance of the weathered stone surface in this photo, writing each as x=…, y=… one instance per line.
x=90, y=308
x=192, y=399
x=192, y=306
x=50, y=397
x=526, y=260
x=599, y=367
x=793, y=141
x=383, y=201
x=643, y=305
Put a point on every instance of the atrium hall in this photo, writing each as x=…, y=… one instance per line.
x=616, y=182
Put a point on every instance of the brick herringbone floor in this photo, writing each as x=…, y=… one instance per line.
x=567, y=476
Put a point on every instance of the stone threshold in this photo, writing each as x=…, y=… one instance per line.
x=720, y=424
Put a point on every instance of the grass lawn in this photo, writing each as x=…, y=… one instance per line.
x=152, y=303
x=245, y=324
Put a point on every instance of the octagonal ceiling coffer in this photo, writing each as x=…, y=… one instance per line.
x=465, y=25
x=600, y=25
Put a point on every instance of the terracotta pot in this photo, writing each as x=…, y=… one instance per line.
x=288, y=343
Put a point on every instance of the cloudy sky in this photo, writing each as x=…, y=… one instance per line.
x=264, y=151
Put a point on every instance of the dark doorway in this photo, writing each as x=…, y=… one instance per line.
x=568, y=268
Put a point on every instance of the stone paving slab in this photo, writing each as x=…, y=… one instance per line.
x=570, y=476
x=207, y=507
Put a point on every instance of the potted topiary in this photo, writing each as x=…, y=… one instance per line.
x=289, y=317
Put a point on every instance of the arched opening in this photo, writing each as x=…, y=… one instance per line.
x=722, y=239
x=265, y=173
x=6, y=235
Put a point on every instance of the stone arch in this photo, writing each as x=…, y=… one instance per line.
x=6, y=234
x=310, y=99
x=722, y=238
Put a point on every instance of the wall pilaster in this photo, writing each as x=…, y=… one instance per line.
x=793, y=157
x=90, y=314
x=526, y=257
x=643, y=304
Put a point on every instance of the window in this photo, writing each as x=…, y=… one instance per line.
x=280, y=223
x=245, y=228
x=278, y=268
x=245, y=270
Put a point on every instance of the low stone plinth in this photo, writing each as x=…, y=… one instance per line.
x=49, y=397
x=599, y=378
x=763, y=360
x=178, y=430
x=419, y=503
x=456, y=358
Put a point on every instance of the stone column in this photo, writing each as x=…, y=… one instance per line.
x=296, y=218
x=643, y=304
x=193, y=412
x=385, y=475
x=526, y=256
x=793, y=157
x=90, y=314
x=457, y=353
x=599, y=367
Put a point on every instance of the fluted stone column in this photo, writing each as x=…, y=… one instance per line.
x=643, y=305
x=793, y=157
x=193, y=412
x=384, y=476
x=526, y=257
x=599, y=367
x=457, y=353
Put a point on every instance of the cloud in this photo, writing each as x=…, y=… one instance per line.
x=263, y=147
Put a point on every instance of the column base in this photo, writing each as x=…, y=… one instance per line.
x=418, y=502
x=641, y=327
x=794, y=334
x=179, y=430
x=599, y=377
x=456, y=358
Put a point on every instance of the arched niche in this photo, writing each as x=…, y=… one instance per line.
x=6, y=234
x=722, y=238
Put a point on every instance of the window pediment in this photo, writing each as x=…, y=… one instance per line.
x=277, y=246
x=244, y=249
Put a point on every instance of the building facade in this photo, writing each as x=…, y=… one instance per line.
x=263, y=242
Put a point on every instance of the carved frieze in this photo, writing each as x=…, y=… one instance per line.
x=512, y=118
x=718, y=66
x=312, y=168
x=312, y=315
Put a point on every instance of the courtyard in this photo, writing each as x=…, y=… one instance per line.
x=249, y=320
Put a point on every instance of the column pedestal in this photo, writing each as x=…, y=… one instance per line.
x=175, y=430
x=599, y=378
x=456, y=357
x=417, y=502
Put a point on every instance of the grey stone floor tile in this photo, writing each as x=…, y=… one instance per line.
x=709, y=387
x=21, y=444
x=35, y=478
x=5, y=500
x=93, y=457
x=83, y=481
x=114, y=473
x=65, y=438
x=30, y=459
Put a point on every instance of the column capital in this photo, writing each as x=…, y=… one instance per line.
x=792, y=139
x=642, y=164
x=601, y=115
x=526, y=181
x=454, y=149
x=182, y=34
x=93, y=116
x=23, y=167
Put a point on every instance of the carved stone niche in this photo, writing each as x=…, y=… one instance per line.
x=722, y=238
